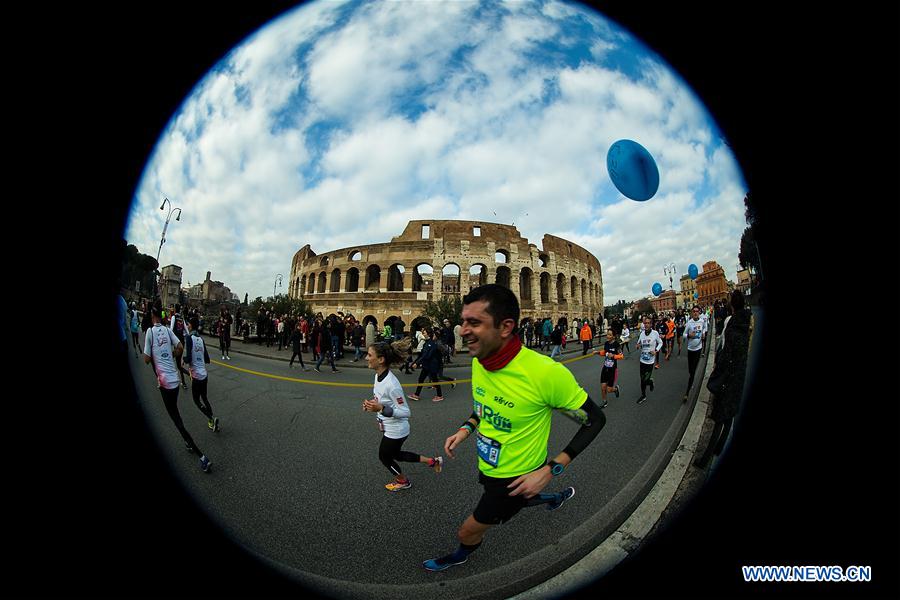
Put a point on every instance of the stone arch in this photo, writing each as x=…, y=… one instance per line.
x=525, y=284
x=352, y=284
x=423, y=278
x=323, y=262
x=369, y=319
x=503, y=276
x=574, y=294
x=479, y=271
x=501, y=256
x=373, y=278
x=395, y=278
x=545, y=260
x=583, y=291
x=335, y=281
x=545, y=287
x=354, y=256
x=450, y=279
x=312, y=283
x=320, y=287
x=302, y=285
x=560, y=288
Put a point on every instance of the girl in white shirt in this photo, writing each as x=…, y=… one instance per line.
x=393, y=416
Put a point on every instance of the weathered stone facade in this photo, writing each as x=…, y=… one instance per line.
x=384, y=280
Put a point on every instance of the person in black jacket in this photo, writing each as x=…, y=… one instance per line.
x=296, y=342
x=726, y=382
x=430, y=361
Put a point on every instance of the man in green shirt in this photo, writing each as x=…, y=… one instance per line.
x=515, y=391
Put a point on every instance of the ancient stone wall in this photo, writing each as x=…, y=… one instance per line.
x=392, y=279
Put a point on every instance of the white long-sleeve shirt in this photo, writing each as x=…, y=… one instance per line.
x=648, y=343
x=389, y=393
x=694, y=333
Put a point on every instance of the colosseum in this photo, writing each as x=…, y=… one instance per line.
x=431, y=259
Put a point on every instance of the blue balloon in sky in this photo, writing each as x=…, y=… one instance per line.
x=632, y=170
x=657, y=289
x=693, y=271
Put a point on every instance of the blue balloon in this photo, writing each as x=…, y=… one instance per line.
x=657, y=289
x=693, y=271
x=632, y=170
x=695, y=295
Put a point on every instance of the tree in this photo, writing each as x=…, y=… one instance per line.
x=448, y=307
x=748, y=255
x=644, y=306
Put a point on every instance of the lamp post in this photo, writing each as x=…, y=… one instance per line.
x=162, y=240
x=670, y=270
x=278, y=280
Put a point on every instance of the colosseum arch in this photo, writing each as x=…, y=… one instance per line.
x=352, y=284
x=354, y=256
x=423, y=277
x=560, y=288
x=451, y=281
x=373, y=278
x=477, y=275
x=501, y=256
x=574, y=294
x=312, y=284
x=320, y=287
x=525, y=276
x=302, y=285
x=583, y=291
x=545, y=287
x=370, y=319
x=545, y=260
x=335, y=281
x=323, y=262
x=395, y=278
x=503, y=276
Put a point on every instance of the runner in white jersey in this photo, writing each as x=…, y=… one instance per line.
x=393, y=415
x=648, y=345
x=196, y=358
x=626, y=338
x=162, y=349
x=695, y=334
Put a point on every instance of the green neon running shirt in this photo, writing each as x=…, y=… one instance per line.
x=515, y=405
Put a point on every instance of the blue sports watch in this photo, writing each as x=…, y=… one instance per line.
x=556, y=468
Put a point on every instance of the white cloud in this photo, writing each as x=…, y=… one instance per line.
x=435, y=115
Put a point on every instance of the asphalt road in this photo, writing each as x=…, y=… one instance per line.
x=296, y=478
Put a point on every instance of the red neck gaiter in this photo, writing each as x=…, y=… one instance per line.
x=503, y=356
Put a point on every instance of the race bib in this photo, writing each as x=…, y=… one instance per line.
x=488, y=449
x=646, y=356
x=610, y=363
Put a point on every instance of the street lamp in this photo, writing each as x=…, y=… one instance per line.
x=669, y=270
x=278, y=280
x=162, y=241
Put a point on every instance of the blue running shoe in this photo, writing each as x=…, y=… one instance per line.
x=563, y=496
x=440, y=564
x=205, y=465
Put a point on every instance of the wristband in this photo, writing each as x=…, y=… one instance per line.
x=468, y=427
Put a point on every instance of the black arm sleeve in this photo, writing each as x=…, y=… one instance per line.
x=474, y=416
x=588, y=431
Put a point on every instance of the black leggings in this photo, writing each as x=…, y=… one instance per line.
x=646, y=376
x=693, y=361
x=198, y=391
x=297, y=354
x=225, y=343
x=431, y=377
x=134, y=340
x=170, y=399
x=389, y=452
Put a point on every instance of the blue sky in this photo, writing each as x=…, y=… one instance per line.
x=339, y=122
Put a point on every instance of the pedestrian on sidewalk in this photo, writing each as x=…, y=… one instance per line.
x=296, y=343
x=225, y=333
x=585, y=338
x=280, y=332
x=430, y=361
x=556, y=338
x=161, y=350
x=393, y=415
x=325, y=349
x=726, y=382
x=357, y=338
x=196, y=358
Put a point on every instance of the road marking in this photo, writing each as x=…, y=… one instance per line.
x=358, y=385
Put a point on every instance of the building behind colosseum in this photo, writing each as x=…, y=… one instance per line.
x=431, y=259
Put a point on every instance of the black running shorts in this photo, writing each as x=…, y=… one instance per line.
x=608, y=376
x=496, y=505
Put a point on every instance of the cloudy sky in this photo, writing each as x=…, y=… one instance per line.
x=340, y=121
